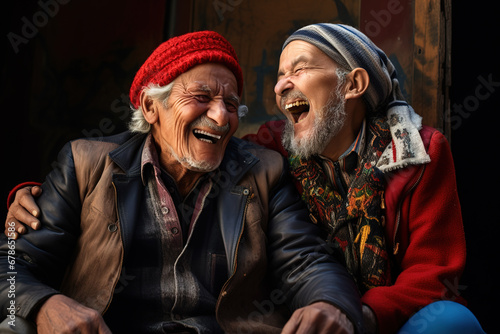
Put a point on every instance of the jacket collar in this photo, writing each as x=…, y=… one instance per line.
x=236, y=162
x=128, y=155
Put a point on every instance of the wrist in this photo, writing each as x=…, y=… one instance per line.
x=32, y=315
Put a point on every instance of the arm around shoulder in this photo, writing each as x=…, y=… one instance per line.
x=37, y=261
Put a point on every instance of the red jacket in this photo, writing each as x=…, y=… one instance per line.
x=424, y=231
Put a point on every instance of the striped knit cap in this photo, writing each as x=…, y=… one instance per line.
x=179, y=54
x=350, y=49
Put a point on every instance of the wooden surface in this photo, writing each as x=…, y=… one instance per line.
x=432, y=62
x=257, y=30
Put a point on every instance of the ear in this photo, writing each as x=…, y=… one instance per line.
x=356, y=83
x=149, y=109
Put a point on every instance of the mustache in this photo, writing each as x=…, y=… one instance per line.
x=291, y=95
x=205, y=121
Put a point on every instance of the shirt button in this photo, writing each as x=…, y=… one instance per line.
x=164, y=210
x=174, y=230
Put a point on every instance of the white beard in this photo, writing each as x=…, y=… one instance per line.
x=328, y=121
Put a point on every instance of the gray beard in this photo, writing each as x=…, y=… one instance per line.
x=327, y=123
x=191, y=162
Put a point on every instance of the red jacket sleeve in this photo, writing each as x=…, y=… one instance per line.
x=269, y=136
x=12, y=193
x=431, y=256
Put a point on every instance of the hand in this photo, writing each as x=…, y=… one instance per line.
x=23, y=211
x=369, y=320
x=318, y=318
x=61, y=314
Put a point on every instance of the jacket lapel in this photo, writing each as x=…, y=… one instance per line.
x=128, y=186
x=231, y=203
x=232, y=199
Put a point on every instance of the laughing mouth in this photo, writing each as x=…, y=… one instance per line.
x=206, y=136
x=298, y=109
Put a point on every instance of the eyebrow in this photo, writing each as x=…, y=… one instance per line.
x=207, y=89
x=234, y=98
x=298, y=59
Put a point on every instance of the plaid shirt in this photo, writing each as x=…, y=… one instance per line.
x=177, y=264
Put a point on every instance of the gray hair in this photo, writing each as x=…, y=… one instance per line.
x=138, y=123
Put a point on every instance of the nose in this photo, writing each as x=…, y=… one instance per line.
x=218, y=112
x=282, y=86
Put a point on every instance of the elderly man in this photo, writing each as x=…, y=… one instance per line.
x=173, y=226
x=381, y=186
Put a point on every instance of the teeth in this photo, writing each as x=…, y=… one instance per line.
x=207, y=134
x=206, y=137
x=206, y=140
x=296, y=104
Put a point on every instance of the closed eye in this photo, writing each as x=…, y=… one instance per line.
x=202, y=98
x=231, y=107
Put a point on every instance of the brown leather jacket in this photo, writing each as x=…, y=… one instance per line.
x=89, y=205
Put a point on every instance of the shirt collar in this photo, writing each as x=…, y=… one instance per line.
x=359, y=143
x=348, y=161
x=150, y=157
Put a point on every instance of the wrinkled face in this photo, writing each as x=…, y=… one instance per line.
x=308, y=94
x=199, y=118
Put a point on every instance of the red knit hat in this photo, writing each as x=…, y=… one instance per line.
x=179, y=54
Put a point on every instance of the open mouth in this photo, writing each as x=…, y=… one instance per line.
x=206, y=137
x=299, y=110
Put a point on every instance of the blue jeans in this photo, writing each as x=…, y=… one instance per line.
x=442, y=317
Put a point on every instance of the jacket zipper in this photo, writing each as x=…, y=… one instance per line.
x=223, y=292
x=395, y=249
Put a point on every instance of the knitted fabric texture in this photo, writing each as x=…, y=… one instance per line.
x=351, y=49
x=179, y=54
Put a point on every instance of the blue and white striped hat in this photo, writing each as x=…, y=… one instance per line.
x=350, y=49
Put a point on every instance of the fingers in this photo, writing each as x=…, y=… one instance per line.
x=13, y=228
x=103, y=328
x=23, y=211
x=293, y=323
x=318, y=318
x=25, y=198
x=21, y=217
x=36, y=191
x=303, y=323
x=61, y=314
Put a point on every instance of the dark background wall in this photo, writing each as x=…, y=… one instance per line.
x=474, y=142
x=67, y=76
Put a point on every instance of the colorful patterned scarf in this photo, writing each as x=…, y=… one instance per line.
x=355, y=224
